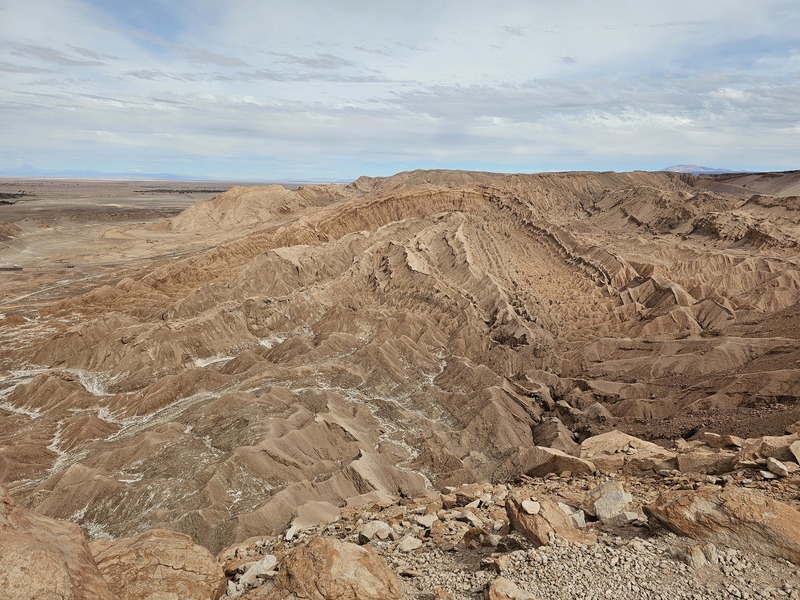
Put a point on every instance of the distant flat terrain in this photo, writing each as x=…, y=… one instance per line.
x=61, y=231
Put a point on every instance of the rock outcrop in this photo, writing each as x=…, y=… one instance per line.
x=45, y=558
x=328, y=569
x=159, y=564
x=618, y=451
x=734, y=518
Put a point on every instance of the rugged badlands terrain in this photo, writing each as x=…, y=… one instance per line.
x=267, y=358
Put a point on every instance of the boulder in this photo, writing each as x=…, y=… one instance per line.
x=470, y=518
x=576, y=514
x=774, y=446
x=263, y=568
x=372, y=530
x=700, y=460
x=409, y=543
x=693, y=556
x=447, y=533
x=540, y=461
x=716, y=440
x=159, y=564
x=531, y=507
x=795, y=450
x=45, y=558
x=618, y=451
x=612, y=504
x=548, y=523
x=732, y=517
x=505, y=589
x=327, y=568
x=777, y=467
x=471, y=492
x=426, y=521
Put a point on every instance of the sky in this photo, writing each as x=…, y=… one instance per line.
x=335, y=89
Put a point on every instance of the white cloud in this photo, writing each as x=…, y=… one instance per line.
x=530, y=83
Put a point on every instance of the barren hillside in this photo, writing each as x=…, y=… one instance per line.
x=337, y=343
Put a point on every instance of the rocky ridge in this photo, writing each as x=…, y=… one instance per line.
x=337, y=346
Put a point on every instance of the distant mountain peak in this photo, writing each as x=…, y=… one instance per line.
x=696, y=170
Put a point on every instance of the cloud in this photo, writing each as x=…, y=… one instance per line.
x=531, y=85
x=253, y=75
x=91, y=54
x=58, y=57
x=149, y=74
x=529, y=102
x=509, y=31
x=203, y=57
x=298, y=76
x=192, y=54
x=376, y=51
x=16, y=68
x=317, y=62
x=676, y=24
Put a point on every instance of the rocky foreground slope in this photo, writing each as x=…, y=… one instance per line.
x=597, y=534
x=336, y=346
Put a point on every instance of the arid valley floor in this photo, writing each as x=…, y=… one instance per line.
x=443, y=377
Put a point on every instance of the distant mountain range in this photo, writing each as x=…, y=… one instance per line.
x=696, y=170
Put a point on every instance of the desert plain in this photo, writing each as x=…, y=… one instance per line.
x=249, y=366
